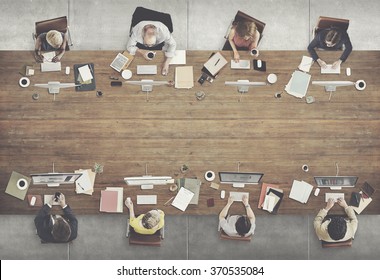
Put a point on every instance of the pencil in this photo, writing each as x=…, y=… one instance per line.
x=168, y=201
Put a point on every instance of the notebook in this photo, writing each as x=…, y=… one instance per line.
x=184, y=77
x=300, y=191
x=182, y=199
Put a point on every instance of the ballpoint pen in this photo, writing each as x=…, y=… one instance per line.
x=168, y=201
x=217, y=62
x=80, y=186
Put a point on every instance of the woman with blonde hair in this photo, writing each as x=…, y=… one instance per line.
x=243, y=35
x=147, y=223
x=51, y=41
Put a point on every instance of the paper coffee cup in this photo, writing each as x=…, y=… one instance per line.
x=360, y=85
x=24, y=82
x=22, y=184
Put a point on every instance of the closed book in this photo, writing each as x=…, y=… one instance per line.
x=108, y=201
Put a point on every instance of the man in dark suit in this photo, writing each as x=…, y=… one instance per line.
x=56, y=228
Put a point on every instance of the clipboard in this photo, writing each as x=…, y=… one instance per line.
x=84, y=87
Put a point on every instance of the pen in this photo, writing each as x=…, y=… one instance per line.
x=217, y=62
x=80, y=186
x=168, y=201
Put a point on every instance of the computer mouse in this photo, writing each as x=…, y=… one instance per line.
x=259, y=63
x=222, y=194
x=316, y=192
x=348, y=71
x=33, y=201
x=67, y=71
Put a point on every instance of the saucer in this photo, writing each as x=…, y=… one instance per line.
x=126, y=74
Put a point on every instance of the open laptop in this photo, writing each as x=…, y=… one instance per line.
x=335, y=182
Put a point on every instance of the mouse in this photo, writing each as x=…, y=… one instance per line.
x=316, y=192
x=259, y=63
x=33, y=201
x=128, y=199
x=348, y=71
x=67, y=71
x=223, y=194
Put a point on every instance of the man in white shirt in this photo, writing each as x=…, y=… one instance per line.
x=237, y=225
x=152, y=35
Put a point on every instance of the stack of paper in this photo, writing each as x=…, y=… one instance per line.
x=182, y=199
x=270, y=198
x=300, y=191
x=179, y=57
x=298, y=84
x=111, y=200
x=184, y=77
x=85, y=183
x=192, y=185
x=305, y=64
x=85, y=74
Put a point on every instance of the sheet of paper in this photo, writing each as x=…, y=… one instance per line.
x=184, y=77
x=179, y=58
x=182, y=199
x=48, y=56
x=305, y=63
x=242, y=64
x=85, y=73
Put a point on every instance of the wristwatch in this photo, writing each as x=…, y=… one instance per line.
x=247, y=206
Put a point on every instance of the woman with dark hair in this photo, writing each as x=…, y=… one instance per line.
x=237, y=225
x=336, y=228
x=330, y=39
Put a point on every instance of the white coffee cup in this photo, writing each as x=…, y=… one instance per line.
x=272, y=78
x=24, y=82
x=255, y=52
x=360, y=85
x=22, y=184
x=210, y=175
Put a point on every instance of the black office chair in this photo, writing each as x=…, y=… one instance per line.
x=60, y=24
x=144, y=239
x=225, y=236
x=240, y=16
x=141, y=14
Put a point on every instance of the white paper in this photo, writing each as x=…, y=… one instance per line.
x=300, y=191
x=85, y=73
x=305, y=63
x=182, y=199
x=179, y=58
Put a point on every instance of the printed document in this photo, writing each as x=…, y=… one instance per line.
x=182, y=199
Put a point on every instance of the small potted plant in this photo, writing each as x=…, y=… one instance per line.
x=98, y=168
x=184, y=168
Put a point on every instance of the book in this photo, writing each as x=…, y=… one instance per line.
x=300, y=191
x=85, y=73
x=270, y=197
x=111, y=200
x=182, y=199
x=184, y=77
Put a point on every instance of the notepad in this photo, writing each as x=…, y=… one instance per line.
x=85, y=73
x=215, y=63
x=305, y=63
x=179, y=57
x=298, y=84
x=300, y=191
x=184, y=77
x=182, y=199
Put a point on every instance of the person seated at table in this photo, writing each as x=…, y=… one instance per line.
x=147, y=223
x=152, y=35
x=56, y=228
x=336, y=228
x=243, y=34
x=237, y=225
x=51, y=41
x=330, y=39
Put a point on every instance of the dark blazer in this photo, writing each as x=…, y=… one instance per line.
x=44, y=227
x=319, y=42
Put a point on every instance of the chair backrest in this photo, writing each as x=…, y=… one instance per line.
x=59, y=24
x=145, y=239
x=347, y=243
x=141, y=14
x=224, y=235
x=328, y=22
x=240, y=16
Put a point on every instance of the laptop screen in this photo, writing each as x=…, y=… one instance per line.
x=332, y=181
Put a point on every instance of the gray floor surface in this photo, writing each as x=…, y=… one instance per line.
x=104, y=25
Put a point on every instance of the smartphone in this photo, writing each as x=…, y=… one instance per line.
x=116, y=84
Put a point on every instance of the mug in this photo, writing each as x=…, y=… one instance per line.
x=255, y=52
x=151, y=55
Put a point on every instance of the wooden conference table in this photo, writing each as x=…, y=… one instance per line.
x=127, y=133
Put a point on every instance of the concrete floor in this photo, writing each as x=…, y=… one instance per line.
x=198, y=24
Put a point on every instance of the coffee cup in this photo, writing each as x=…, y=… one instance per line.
x=255, y=52
x=151, y=55
x=360, y=85
x=305, y=167
x=277, y=95
x=24, y=82
x=173, y=188
x=272, y=78
x=22, y=184
x=210, y=175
